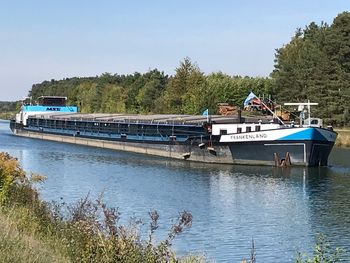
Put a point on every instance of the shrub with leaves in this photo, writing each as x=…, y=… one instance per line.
x=10, y=172
x=323, y=253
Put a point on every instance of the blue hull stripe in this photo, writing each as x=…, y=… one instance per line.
x=308, y=134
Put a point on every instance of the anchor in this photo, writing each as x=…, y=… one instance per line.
x=282, y=162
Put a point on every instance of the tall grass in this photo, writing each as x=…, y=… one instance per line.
x=17, y=246
x=7, y=115
x=343, y=139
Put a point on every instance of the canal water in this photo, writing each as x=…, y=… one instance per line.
x=282, y=210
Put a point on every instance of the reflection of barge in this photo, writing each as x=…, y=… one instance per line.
x=218, y=139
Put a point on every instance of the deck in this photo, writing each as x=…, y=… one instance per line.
x=178, y=119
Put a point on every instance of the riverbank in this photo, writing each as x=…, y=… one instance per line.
x=35, y=231
x=19, y=246
x=7, y=115
x=343, y=139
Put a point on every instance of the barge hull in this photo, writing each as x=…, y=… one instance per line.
x=170, y=150
x=306, y=153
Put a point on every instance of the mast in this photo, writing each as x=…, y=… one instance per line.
x=274, y=114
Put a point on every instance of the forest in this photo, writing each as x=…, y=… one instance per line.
x=314, y=65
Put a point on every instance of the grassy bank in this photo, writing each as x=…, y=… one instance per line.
x=343, y=139
x=7, y=115
x=35, y=231
x=17, y=245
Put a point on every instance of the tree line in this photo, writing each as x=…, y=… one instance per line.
x=189, y=91
x=7, y=106
x=314, y=65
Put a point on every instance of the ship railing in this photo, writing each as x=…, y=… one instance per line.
x=186, y=120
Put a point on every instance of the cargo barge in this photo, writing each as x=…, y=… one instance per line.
x=210, y=139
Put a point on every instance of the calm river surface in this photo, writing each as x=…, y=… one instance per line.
x=281, y=209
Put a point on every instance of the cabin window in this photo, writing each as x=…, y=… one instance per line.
x=223, y=132
x=248, y=129
x=257, y=128
x=239, y=130
x=314, y=122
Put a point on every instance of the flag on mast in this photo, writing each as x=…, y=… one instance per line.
x=250, y=97
x=206, y=113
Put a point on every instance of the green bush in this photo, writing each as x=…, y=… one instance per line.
x=10, y=173
x=323, y=253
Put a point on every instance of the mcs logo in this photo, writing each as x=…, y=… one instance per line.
x=53, y=109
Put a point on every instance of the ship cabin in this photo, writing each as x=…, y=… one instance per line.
x=44, y=104
x=224, y=129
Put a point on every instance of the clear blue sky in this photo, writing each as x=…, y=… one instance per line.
x=43, y=39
